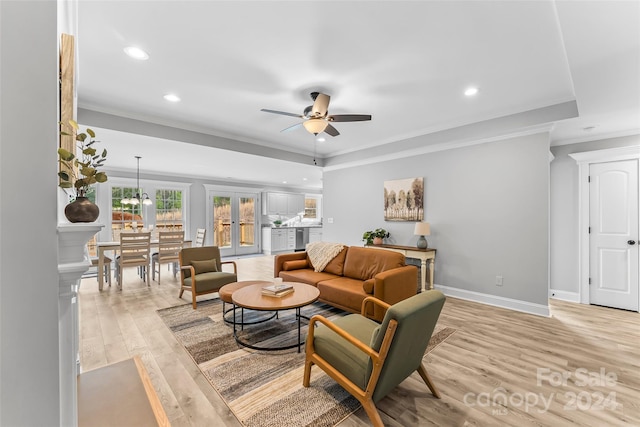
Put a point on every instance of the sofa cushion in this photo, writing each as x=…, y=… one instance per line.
x=343, y=292
x=336, y=265
x=365, y=263
x=211, y=281
x=306, y=275
x=341, y=354
x=295, y=264
x=206, y=266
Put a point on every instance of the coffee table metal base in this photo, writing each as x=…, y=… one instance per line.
x=263, y=348
x=233, y=309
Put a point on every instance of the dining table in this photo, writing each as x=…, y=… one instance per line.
x=102, y=247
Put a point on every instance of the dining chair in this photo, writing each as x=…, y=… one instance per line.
x=135, y=249
x=199, y=240
x=369, y=359
x=170, y=244
x=107, y=267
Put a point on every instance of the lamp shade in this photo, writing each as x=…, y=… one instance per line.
x=315, y=126
x=422, y=229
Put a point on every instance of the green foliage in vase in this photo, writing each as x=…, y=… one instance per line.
x=368, y=236
x=81, y=172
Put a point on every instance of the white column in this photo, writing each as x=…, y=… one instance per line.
x=73, y=261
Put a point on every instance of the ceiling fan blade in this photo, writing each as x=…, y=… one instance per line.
x=331, y=130
x=282, y=113
x=349, y=117
x=296, y=126
x=321, y=105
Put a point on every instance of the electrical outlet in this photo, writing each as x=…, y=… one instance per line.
x=498, y=280
x=330, y=220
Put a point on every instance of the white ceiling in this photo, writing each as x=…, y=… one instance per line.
x=407, y=63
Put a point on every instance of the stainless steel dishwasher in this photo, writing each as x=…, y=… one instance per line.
x=302, y=238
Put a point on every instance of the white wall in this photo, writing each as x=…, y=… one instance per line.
x=488, y=206
x=29, y=383
x=564, y=282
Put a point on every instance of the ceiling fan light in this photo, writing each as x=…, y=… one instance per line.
x=315, y=126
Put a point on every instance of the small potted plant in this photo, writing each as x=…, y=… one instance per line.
x=79, y=173
x=375, y=237
x=277, y=222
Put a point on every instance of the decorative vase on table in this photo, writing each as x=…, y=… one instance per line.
x=81, y=210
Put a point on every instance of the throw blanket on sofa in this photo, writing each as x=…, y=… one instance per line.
x=321, y=253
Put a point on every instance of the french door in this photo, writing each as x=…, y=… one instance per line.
x=234, y=222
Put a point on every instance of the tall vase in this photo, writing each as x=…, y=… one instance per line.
x=81, y=210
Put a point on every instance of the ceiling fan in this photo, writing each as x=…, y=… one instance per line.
x=316, y=117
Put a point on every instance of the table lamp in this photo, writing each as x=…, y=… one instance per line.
x=422, y=229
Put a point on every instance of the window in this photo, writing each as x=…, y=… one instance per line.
x=169, y=210
x=312, y=207
x=124, y=217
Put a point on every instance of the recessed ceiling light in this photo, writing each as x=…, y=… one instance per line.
x=284, y=182
x=304, y=179
x=136, y=53
x=320, y=139
x=471, y=91
x=172, y=98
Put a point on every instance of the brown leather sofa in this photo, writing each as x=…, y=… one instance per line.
x=354, y=274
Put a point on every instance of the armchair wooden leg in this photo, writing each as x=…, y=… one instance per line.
x=372, y=413
x=306, y=379
x=193, y=296
x=427, y=379
x=181, y=292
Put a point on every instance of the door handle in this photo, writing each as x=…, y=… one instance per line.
x=631, y=242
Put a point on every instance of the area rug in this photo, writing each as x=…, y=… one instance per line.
x=264, y=388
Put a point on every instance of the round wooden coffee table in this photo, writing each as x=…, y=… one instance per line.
x=251, y=297
x=225, y=294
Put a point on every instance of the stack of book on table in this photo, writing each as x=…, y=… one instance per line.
x=277, y=290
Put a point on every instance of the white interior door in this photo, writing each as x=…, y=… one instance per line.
x=613, y=237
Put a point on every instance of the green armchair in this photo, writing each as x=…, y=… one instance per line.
x=201, y=271
x=369, y=359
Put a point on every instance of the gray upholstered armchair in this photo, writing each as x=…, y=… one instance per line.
x=369, y=359
x=201, y=271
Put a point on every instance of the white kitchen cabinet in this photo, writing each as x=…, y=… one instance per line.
x=282, y=203
x=278, y=240
x=315, y=234
x=291, y=239
x=295, y=204
x=277, y=203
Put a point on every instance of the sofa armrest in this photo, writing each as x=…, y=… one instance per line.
x=395, y=285
x=279, y=260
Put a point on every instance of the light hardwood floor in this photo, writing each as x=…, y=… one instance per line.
x=581, y=366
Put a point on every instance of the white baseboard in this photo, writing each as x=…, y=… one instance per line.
x=509, y=303
x=564, y=295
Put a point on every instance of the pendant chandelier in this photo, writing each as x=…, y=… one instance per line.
x=137, y=199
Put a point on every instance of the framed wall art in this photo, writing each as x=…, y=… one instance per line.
x=404, y=199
